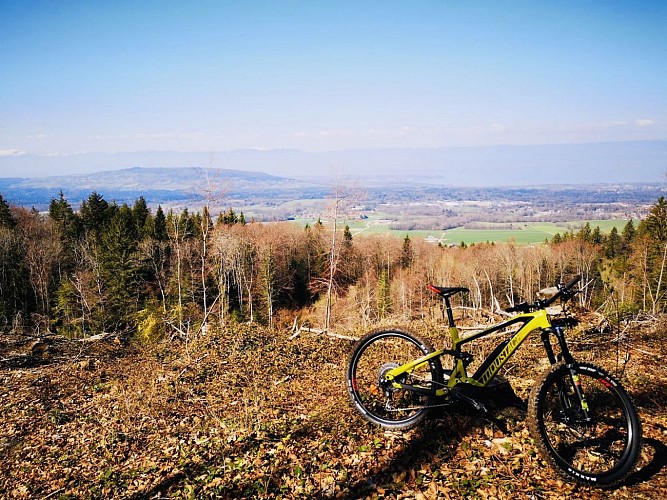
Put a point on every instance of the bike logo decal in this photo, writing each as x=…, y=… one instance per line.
x=500, y=360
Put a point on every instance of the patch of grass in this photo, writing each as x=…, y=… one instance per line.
x=520, y=232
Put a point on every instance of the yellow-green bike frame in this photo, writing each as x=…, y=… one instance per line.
x=535, y=320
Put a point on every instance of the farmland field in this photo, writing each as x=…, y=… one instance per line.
x=520, y=232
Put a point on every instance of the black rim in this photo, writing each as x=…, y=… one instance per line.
x=373, y=397
x=595, y=449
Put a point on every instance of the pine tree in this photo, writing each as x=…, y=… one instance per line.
x=613, y=244
x=156, y=253
x=628, y=236
x=120, y=267
x=585, y=233
x=62, y=213
x=6, y=218
x=383, y=294
x=95, y=214
x=14, y=279
x=653, y=233
x=299, y=270
x=160, y=225
x=228, y=218
x=407, y=254
x=141, y=214
x=185, y=226
x=655, y=224
x=347, y=236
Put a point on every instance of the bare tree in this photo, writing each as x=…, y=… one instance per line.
x=156, y=255
x=42, y=250
x=214, y=192
x=178, y=231
x=343, y=197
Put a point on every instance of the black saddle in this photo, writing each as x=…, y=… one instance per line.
x=447, y=291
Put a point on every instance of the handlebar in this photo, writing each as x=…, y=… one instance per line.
x=564, y=291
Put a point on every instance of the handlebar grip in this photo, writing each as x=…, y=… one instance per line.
x=572, y=282
x=563, y=289
x=523, y=307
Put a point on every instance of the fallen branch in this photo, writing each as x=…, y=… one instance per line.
x=645, y=352
x=295, y=334
x=21, y=361
x=99, y=336
x=327, y=333
x=183, y=334
x=282, y=381
x=53, y=493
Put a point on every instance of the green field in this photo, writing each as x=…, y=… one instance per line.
x=520, y=233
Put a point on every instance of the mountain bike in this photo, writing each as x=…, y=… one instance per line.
x=581, y=418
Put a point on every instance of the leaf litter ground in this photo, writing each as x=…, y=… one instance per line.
x=249, y=412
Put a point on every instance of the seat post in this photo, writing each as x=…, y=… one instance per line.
x=450, y=315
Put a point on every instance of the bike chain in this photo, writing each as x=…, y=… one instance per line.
x=441, y=405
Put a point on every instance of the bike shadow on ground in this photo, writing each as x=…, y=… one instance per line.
x=653, y=467
x=436, y=440
x=650, y=402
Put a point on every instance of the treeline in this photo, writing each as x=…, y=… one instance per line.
x=632, y=263
x=118, y=268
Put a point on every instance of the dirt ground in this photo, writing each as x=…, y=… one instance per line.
x=249, y=412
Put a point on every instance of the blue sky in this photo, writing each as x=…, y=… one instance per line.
x=325, y=75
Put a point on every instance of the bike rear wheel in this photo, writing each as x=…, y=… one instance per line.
x=377, y=401
x=596, y=442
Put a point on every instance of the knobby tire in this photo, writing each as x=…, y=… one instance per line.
x=600, y=450
x=378, y=402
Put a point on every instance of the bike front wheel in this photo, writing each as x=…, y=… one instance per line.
x=377, y=400
x=585, y=424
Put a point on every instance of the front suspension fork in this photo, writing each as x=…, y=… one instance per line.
x=568, y=360
x=564, y=355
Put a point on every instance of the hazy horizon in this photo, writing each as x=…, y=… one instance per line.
x=119, y=77
x=591, y=163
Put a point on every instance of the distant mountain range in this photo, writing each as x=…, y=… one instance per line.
x=246, y=177
x=590, y=163
x=158, y=185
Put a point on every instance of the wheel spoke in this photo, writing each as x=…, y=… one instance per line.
x=374, y=395
x=598, y=445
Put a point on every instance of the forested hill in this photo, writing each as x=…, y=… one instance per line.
x=156, y=184
x=189, y=186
